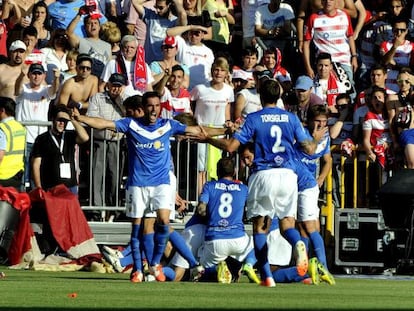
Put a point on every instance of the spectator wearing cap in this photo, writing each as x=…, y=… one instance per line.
x=247, y=96
x=303, y=99
x=76, y=91
x=132, y=65
x=10, y=71
x=99, y=50
x=32, y=104
x=106, y=152
x=157, y=23
x=193, y=53
x=161, y=69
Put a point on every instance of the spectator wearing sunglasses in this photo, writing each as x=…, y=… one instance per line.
x=193, y=53
x=77, y=90
x=397, y=53
x=53, y=154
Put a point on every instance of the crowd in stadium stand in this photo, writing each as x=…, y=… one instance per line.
x=343, y=65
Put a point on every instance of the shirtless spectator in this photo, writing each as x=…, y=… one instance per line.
x=76, y=91
x=10, y=71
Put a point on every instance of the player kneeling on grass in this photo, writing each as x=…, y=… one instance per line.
x=222, y=202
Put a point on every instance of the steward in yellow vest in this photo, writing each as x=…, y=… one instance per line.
x=12, y=145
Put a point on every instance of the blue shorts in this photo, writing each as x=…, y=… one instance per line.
x=407, y=137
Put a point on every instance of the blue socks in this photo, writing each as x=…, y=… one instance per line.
x=169, y=273
x=160, y=240
x=292, y=236
x=136, y=252
x=287, y=275
x=182, y=248
x=318, y=247
x=148, y=246
x=250, y=258
x=260, y=248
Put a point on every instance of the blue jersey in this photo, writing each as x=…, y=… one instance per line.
x=149, y=156
x=274, y=132
x=306, y=170
x=225, y=201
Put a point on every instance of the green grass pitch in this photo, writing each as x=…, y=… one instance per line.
x=36, y=290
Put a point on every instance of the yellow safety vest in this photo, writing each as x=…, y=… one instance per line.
x=13, y=160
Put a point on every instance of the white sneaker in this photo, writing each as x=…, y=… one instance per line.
x=114, y=261
x=149, y=278
x=301, y=257
x=113, y=252
x=196, y=273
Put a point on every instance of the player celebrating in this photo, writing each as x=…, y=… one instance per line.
x=222, y=202
x=148, y=187
x=273, y=184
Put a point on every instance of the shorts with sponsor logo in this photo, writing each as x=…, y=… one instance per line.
x=308, y=208
x=279, y=249
x=141, y=199
x=194, y=238
x=218, y=250
x=272, y=193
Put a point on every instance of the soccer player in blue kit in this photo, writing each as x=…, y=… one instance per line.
x=222, y=202
x=148, y=185
x=308, y=187
x=273, y=189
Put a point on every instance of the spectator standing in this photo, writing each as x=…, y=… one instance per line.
x=212, y=108
x=175, y=98
x=331, y=32
x=303, y=98
x=62, y=12
x=100, y=51
x=12, y=144
x=130, y=62
x=41, y=22
x=221, y=15
x=32, y=104
x=161, y=68
x=193, y=53
x=77, y=90
x=106, y=144
x=327, y=83
x=397, y=53
x=157, y=23
x=273, y=24
x=53, y=154
x=10, y=71
x=55, y=53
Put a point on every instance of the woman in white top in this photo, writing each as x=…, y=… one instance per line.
x=55, y=53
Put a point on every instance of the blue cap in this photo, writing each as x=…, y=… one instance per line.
x=304, y=83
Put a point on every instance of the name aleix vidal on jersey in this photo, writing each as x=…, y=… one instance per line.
x=231, y=187
x=275, y=118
